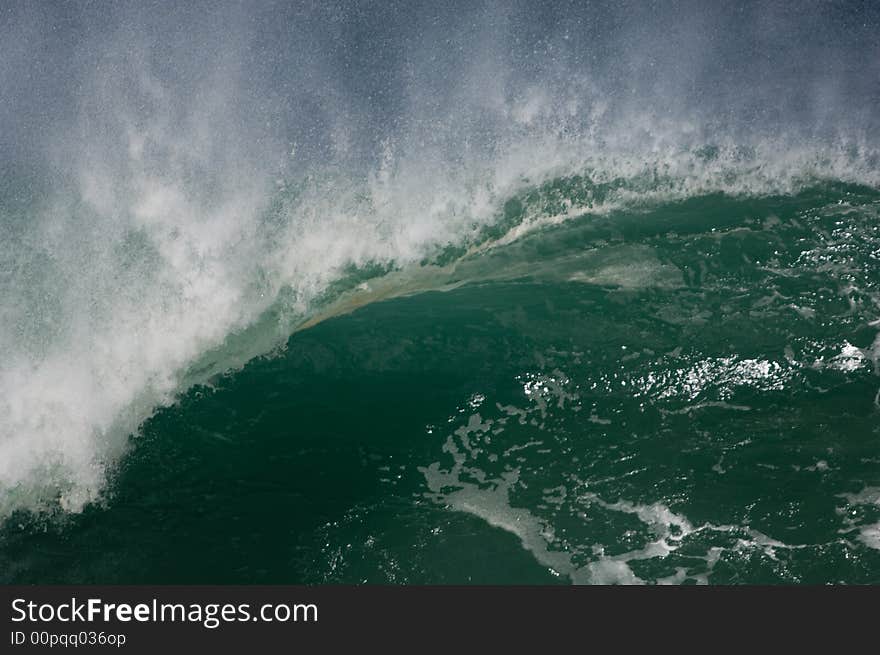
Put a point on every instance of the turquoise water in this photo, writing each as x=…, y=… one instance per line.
x=679, y=390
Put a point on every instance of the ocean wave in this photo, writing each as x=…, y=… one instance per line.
x=107, y=320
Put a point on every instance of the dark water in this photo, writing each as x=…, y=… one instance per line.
x=683, y=392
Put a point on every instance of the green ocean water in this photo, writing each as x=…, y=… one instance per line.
x=676, y=391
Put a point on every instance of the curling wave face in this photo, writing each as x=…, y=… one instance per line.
x=172, y=238
x=107, y=319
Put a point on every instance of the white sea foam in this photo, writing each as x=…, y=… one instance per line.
x=868, y=533
x=486, y=486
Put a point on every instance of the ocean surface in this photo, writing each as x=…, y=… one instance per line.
x=529, y=333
